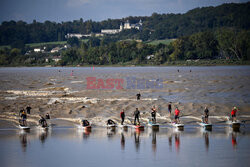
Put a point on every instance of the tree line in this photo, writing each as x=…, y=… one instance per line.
x=224, y=43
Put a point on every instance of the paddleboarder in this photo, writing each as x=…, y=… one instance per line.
x=42, y=121
x=47, y=116
x=153, y=114
x=138, y=96
x=176, y=116
x=85, y=123
x=110, y=122
x=233, y=114
x=206, y=113
x=23, y=118
x=28, y=108
x=169, y=109
x=122, y=116
x=137, y=115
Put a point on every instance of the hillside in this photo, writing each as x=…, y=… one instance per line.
x=157, y=26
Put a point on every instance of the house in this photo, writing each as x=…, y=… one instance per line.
x=37, y=50
x=56, y=58
x=54, y=50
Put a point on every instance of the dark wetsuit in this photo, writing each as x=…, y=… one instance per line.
x=153, y=114
x=28, y=109
x=43, y=122
x=206, y=112
x=122, y=115
x=169, y=108
x=47, y=116
x=85, y=123
x=138, y=96
x=110, y=122
x=137, y=115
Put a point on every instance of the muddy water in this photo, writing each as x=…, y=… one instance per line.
x=224, y=84
x=100, y=147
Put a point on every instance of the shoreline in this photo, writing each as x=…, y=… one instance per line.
x=195, y=63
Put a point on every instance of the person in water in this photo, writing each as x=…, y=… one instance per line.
x=111, y=122
x=85, y=123
x=122, y=116
x=137, y=115
x=23, y=118
x=21, y=111
x=176, y=115
x=138, y=96
x=206, y=113
x=47, y=116
x=169, y=109
x=153, y=114
x=42, y=121
x=28, y=108
x=233, y=114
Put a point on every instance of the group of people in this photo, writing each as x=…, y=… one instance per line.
x=23, y=114
x=136, y=115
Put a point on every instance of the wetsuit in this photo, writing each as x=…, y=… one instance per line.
x=28, y=109
x=136, y=114
x=110, y=122
x=153, y=114
x=169, y=108
x=122, y=115
x=85, y=123
x=47, y=116
x=206, y=112
x=24, y=117
x=138, y=96
x=42, y=121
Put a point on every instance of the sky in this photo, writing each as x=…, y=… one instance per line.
x=96, y=10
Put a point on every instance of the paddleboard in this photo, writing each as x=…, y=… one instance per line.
x=178, y=125
x=84, y=127
x=205, y=125
x=141, y=127
x=154, y=126
x=111, y=126
x=235, y=125
x=24, y=127
x=125, y=127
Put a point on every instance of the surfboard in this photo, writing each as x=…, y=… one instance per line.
x=24, y=127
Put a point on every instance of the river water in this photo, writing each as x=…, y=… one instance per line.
x=100, y=147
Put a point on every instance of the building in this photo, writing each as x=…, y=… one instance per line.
x=126, y=26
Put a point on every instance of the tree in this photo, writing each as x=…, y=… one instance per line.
x=73, y=41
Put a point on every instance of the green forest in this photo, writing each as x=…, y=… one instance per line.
x=208, y=33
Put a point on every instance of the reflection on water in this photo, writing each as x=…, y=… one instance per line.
x=115, y=146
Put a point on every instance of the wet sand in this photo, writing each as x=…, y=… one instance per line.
x=64, y=95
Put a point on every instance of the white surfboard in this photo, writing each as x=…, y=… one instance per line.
x=178, y=125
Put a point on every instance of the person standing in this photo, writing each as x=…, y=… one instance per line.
x=23, y=118
x=176, y=116
x=169, y=109
x=28, y=108
x=47, y=116
x=137, y=115
x=233, y=114
x=122, y=115
x=206, y=113
x=153, y=114
x=138, y=96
